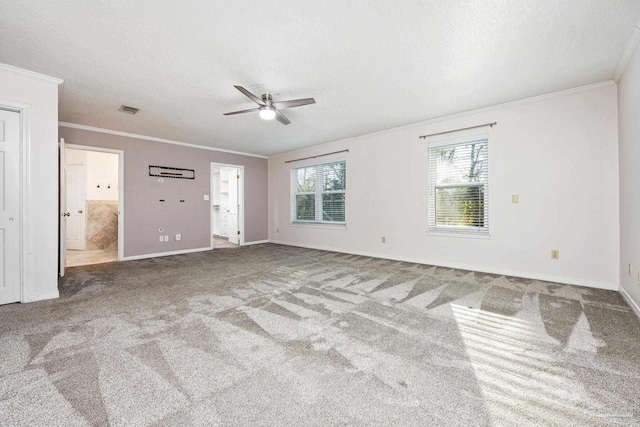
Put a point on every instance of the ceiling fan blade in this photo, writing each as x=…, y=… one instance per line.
x=250, y=110
x=294, y=103
x=250, y=95
x=282, y=118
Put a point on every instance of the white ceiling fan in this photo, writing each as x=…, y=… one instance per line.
x=268, y=109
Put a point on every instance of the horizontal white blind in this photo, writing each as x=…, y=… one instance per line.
x=334, y=186
x=318, y=193
x=459, y=186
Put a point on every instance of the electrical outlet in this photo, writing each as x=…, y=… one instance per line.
x=166, y=238
x=178, y=237
x=515, y=198
x=384, y=239
x=205, y=197
x=555, y=254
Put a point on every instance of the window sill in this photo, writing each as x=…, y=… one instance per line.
x=318, y=225
x=460, y=234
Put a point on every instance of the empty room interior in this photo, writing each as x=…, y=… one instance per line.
x=320, y=213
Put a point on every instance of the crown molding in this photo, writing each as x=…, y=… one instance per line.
x=31, y=74
x=632, y=44
x=153, y=139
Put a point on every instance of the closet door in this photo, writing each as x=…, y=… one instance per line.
x=9, y=206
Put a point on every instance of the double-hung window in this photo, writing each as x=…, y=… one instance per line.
x=318, y=193
x=458, y=182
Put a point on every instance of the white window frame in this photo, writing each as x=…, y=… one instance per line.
x=318, y=193
x=456, y=230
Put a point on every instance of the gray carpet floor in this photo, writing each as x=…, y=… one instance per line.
x=271, y=335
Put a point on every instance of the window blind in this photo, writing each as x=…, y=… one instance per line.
x=318, y=193
x=458, y=183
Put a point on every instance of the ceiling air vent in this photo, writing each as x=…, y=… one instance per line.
x=127, y=109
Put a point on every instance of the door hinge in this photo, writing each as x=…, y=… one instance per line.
x=238, y=232
x=238, y=176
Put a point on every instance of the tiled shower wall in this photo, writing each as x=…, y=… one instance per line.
x=102, y=224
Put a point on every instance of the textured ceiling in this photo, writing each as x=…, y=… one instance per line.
x=371, y=65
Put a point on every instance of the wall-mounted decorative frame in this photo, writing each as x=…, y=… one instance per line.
x=167, y=172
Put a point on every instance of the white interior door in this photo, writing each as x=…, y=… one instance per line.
x=215, y=201
x=62, y=191
x=233, y=206
x=76, y=188
x=9, y=206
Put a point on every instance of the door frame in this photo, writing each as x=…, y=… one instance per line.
x=25, y=236
x=120, y=154
x=240, y=199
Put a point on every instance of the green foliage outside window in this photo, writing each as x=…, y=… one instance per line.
x=460, y=206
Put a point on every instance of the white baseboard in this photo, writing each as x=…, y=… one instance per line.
x=159, y=254
x=256, y=242
x=480, y=269
x=634, y=306
x=184, y=251
x=42, y=297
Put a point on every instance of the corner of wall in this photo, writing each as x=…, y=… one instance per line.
x=635, y=307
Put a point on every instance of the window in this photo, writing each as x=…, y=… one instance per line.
x=318, y=193
x=459, y=185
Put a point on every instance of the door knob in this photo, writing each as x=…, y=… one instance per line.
x=66, y=214
x=10, y=219
x=80, y=211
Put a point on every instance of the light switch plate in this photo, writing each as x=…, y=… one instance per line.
x=205, y=197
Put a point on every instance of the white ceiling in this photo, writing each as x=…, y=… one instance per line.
x=371, y=65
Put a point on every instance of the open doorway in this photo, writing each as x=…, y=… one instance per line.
x=93, y=206
x=227, y=203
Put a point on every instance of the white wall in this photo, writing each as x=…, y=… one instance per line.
x=629, y=133
x=102, y=168
x=558, y=152
x=41, y=95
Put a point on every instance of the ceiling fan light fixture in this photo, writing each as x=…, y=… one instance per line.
x=267, y=113
x=269, y=110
